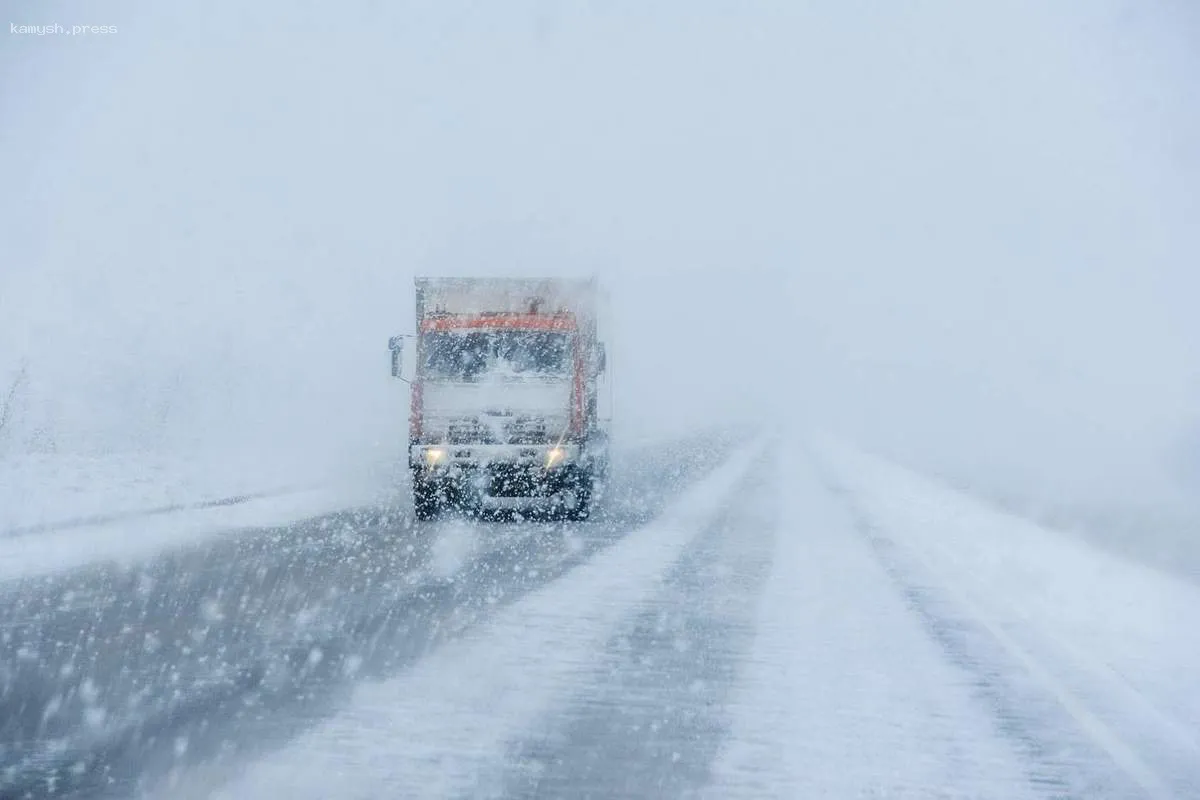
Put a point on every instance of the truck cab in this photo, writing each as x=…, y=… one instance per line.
x=508, y=395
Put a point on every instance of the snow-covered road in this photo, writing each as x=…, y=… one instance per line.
x=844, y=693
x=787, y=618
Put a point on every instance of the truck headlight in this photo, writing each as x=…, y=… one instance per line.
x=434, y=456
x=554, y=457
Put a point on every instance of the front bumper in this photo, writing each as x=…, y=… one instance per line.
x=466, y=481
x=454, y=458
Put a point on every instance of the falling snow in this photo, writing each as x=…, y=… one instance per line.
x=899, y=398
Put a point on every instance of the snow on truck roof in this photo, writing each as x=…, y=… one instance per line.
x=478, y=296
x=499, y=321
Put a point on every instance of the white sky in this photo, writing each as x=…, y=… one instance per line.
x=963, y=232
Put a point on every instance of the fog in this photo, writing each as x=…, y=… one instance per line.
x=960, y=234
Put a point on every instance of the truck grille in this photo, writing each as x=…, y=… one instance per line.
x=512, y=430
x=469, y=432
x=527, y=431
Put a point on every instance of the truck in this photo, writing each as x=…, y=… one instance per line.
x=510, y=398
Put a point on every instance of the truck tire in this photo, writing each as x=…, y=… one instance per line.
x=426, y=503
x=582, y=509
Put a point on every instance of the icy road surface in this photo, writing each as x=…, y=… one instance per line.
x=771, y=618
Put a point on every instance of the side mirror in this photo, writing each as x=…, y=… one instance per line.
x=396, y=345
x=601, y=358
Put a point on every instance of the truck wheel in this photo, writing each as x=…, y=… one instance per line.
x=426, y=503
x=583, y=498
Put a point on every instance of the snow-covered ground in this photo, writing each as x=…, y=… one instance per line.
x=1109, y=643
x=44, y=491
x=132, y=539
x=63, y=511
x=843, y=694
x=1154, y=518
x=1164, y=535
x=906, y=641
x=805, y=620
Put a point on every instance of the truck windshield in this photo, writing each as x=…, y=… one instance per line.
x=475, y=355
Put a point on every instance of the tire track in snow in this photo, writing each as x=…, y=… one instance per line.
x=1071, y=749
x=444, y=728
x=843, y=694
x=652, y=715
x=1052, y=761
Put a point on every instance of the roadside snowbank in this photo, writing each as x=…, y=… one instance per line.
x=1155, y=521
x=129, y=540
x=45, y=491
x=1112, y=641
x=59, y=512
